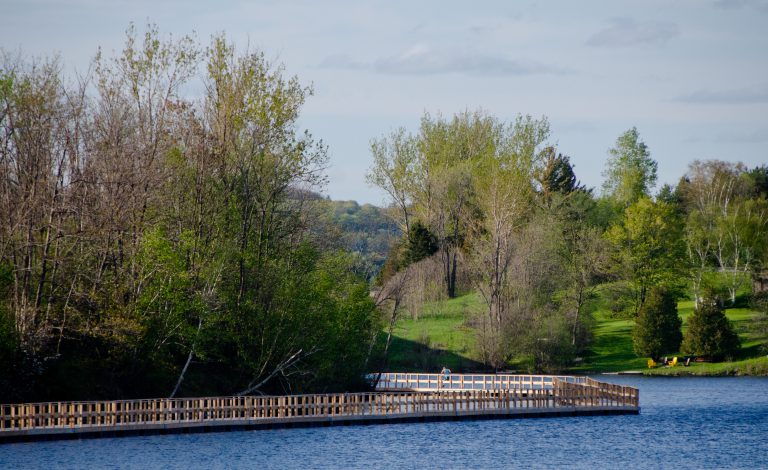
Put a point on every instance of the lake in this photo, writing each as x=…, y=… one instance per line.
x=684, y=423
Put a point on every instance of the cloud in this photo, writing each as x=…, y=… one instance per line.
x=742, y=96
x=421, y=60
x=626, y=32
x=575, y=127
x=750, y=137
x=756, y=136
x=760, y=5
x=342, y=61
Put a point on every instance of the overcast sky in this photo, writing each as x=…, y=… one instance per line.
x=692, y=75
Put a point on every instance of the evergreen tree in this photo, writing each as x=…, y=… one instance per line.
x=557, y=175
x=421, y=243
x=710, y=334
x=657, y=327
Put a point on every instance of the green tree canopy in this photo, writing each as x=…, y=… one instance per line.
x=709, y=333
x=630, y=171
x=649, y=246
x=657, y=326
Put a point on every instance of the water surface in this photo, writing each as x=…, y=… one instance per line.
x=684, y=423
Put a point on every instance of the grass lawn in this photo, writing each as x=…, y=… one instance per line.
x=442, y=336
x=612, y=350
x=439, y=337
x=752, y=366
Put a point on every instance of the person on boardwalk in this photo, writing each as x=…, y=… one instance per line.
x=446, y=373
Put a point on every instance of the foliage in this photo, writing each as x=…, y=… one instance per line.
x=657, y=326
x=556, y=176
x=757, y=180
x=395, y=163
x=365, y=230
x=727, y=220
x=709, y=332
x=630, y=171
x=650, y=249
x=159, y=245
x=421, y=243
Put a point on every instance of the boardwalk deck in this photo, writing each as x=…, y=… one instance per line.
x=399, y=397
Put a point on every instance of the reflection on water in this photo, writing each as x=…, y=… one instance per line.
x=684, y=423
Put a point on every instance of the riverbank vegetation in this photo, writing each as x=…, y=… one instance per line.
x=157, y=244
x=164, y=234
x=444, y=337
x=550, y=267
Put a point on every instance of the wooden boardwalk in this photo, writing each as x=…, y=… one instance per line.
x=398, y=398
x=429, y=382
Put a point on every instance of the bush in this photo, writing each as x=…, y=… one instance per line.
x=657, y=327
x=710, y=334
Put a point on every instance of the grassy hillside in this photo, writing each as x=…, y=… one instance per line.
x=443, y=335
x=440, y=336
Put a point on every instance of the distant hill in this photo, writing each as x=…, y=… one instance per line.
x=365, y=230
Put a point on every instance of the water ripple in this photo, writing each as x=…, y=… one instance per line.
x=692, y=423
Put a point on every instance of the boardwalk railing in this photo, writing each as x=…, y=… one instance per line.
x=506, y=396
x=406, y=381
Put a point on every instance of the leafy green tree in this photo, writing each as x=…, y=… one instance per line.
x=156, y=245
x=504, y=194
x=727, y=222
x=710, y=333
x=395, y=160
x=671, y=195
x=449, y=151
x=657, y=326
x=630, y=171
x=649, y=247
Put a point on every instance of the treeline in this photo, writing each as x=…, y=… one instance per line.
x=504, y=214
x=154, y=244
x=365, y=231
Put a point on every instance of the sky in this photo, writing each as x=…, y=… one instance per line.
x=691, y=75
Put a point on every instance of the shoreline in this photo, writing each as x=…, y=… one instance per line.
x=752, y=367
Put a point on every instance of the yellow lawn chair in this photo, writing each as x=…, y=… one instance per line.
x=651, y=363
x=673, y=362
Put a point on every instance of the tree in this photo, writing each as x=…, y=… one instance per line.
x=586, y=259
x=649, y=247
x=504, y=191
x=421, y=243
x=556, y=176
x=152, y=244
x=630, y=171
x=657, y=326
x=757, y=179
x=444, y=198
x=710, y=333
x=726, y=222
x=394, y=161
